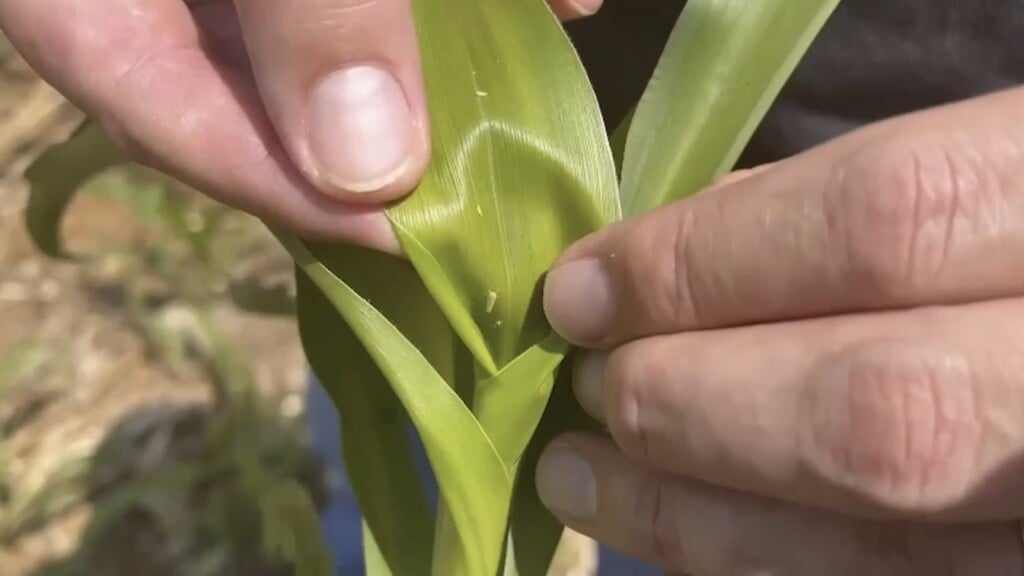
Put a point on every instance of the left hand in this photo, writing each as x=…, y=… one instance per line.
x=309, y=114
x=816, y=368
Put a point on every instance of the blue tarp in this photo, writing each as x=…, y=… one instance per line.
x=341, y=520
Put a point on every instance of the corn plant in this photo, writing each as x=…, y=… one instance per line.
x=453, y=337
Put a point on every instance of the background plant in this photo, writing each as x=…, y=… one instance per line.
x=168, y=453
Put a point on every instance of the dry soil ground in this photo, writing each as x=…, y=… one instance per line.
x=78, y=360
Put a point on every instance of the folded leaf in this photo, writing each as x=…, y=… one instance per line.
x=471, y=475
x=517, y=174
x=521, y=167
x=510, y=405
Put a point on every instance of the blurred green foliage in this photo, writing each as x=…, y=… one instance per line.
x=221, y=490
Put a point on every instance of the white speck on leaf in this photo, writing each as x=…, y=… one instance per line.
x=492, y=299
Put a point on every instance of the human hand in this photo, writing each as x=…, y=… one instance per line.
x=812, y=368
x=312, y=121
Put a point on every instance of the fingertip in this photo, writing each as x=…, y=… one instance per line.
x=565, y=480
x=587, y=7
x=579, y=301
x=575, y=9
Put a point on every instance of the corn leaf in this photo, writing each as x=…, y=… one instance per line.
x=57, y=175
x=725, y=63
x=471, y=476
x=521, y=168
x=375, y=443
x=617, y=140
x=534, y=530
x=398, y=293
x=373, y=558
x=522, y=179
x=510, y=405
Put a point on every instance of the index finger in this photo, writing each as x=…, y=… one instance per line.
x=140, y=67
x=914, y=414
x=924, y=209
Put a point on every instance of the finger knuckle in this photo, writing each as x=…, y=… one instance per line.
x=684, y=292
x=894, y=426
x=656, y=521
x=333, y=14
x=895, y=207
x=661, y=261
x=629, y=377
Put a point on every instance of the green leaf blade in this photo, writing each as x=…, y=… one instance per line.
x=521, y=166
x=471, y=475
x=535, y=531
x=375, y=442
x=725, y=63
x=510, y=405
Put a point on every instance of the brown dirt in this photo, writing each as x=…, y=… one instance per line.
x=87, y=365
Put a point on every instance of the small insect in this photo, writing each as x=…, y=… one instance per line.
x=492, y=299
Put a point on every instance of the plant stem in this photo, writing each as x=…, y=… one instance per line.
x=450, y=556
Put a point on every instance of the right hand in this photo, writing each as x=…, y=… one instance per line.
x=307, y=113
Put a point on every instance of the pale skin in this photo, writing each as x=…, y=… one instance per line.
x=810, y=368
x=814, y=367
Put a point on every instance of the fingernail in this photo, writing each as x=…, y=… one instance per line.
x=587, y=7
x=361, y=129
x=589, y=382
x=565, y=483
x=578, y=300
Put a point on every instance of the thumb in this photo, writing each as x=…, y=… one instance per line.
x=636, y=278
x=341, y=82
